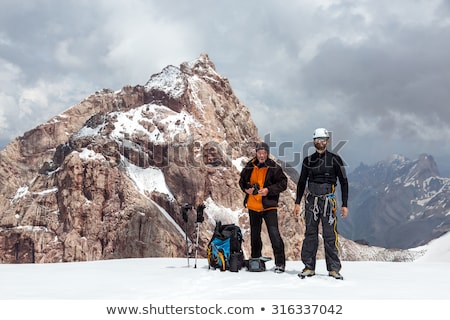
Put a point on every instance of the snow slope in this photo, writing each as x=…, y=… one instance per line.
x=419, y=288
x=165, y=278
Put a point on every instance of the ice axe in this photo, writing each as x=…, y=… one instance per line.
x=184, y=211
x=200, y=219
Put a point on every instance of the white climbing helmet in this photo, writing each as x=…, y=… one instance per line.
x=321, y=133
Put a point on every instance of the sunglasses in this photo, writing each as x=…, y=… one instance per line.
x=320, y=139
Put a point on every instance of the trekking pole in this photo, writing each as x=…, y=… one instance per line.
x=184, y=210
x=187, y=243
x=196, y=245
x=200, y=219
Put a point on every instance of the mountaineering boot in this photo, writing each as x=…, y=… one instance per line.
x=279, y=269
x=306, y=273
x=335, y=275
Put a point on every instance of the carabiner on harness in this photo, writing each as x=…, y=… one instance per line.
x=315, y=209
x=331, y=219
x=332, y=199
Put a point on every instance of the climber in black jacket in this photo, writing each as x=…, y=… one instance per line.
x=320, y=171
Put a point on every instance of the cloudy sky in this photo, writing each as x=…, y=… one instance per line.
x=375, y=73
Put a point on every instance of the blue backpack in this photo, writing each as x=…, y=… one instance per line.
x=225, y=248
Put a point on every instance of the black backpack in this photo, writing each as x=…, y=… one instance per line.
x=225, y=248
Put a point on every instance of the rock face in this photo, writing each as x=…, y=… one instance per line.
x=107, y=178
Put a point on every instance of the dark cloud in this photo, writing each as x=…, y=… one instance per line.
x=397, y=75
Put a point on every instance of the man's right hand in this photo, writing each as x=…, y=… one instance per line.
x=296, y=209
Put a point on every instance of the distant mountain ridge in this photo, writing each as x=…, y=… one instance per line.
x=398, y=203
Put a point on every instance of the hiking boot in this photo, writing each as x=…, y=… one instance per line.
x=335, y=275
x=306, y=273
x=279, y=269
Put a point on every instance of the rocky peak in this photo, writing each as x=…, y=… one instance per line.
x=424, y=168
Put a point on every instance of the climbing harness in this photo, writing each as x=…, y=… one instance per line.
x=329, y=199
